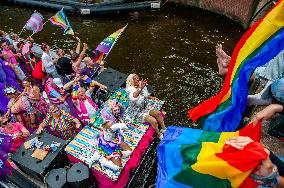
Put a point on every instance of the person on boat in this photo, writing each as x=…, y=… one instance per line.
x=56, y=92
x=17, y=132
x=85, y=106
x=10, y=57
x=113, y=111
x=38, y=73
x=111, y=142
x=60, y=123
x=48, y=61
x=223, y=60
x=8, y=78
x=138, y=110
x=64, y=66
x=32, y=91
x=19, y=108
x=76, y=59
x=270, y=173
x=92, y=69
x=27, y=57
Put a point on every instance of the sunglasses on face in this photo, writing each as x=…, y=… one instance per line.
x=5, y=123
x=55, y=111
x=4, y=45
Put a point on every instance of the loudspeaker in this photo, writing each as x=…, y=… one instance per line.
x=37, y=168
x=56, y=178
x=78, y=176
x=111, y=78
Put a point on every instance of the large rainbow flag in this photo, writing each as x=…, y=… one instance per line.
x=261, y=43
x=196, y=158
x=107, y=44
x=61, y=20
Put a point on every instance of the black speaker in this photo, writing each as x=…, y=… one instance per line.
x=56, y=178
x=78, y=176
x=37, y=168
x=111, y=78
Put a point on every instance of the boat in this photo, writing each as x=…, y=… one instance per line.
x=98, y=7
x=27, y=175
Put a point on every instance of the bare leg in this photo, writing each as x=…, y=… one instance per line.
x=154, y=123
x=116, y=161
x=124, y=146
x=158, y=115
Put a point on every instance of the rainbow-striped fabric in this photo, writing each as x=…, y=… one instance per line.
x=261, y=43
x=196, y=158
x=106, y=45
x=61, y=20
x=85, y=144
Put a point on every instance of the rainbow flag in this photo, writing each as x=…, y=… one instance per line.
x=261, y=43
x=61, y=20
x=107, y=44
x=196, y=158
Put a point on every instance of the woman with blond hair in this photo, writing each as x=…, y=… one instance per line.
x=138, y=109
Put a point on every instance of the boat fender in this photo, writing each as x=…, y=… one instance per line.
x=119, y=126
x=109, y=164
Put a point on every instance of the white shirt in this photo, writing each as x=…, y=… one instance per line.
x=90, y=109
x=47, y=62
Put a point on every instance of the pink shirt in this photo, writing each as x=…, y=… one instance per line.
x=11, y=56
x=16, y=142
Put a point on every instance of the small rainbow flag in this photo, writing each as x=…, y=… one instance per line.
x=196, y=158
x=107, y=44
x=261, y=43
x=61, y=20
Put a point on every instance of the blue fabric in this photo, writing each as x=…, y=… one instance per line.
x=169, y=155
x=54, y=94
x=277, y=90
x=230, y=118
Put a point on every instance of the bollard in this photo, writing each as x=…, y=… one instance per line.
x=56, y=178
x=78, y=176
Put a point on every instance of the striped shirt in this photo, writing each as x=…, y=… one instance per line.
x=64, y=128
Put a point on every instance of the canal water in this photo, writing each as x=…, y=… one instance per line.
x=173, y=48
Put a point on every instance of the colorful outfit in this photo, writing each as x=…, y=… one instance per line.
x=138, y=107
x=109, y=142
x=37, y=72
x=64, y=128
x=40, y=106
x=16, y=142
x=86, y=109
x=18, y=71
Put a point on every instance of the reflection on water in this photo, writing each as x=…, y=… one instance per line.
x=173, y=48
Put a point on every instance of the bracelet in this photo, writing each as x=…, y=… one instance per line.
x=272, y=180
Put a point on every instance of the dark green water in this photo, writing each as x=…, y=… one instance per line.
x=173, y=48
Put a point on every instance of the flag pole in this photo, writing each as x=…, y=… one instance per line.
x=42, y=27
x=115, y=41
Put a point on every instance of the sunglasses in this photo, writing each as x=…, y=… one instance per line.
x=55, y=111
x=5, y=123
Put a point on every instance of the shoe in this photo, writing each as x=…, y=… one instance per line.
x=163, y=131
x=161, y=137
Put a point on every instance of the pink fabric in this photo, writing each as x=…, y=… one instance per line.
x=11, y=56
x=132, y=163
x=83, y=114
x=16, y=142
